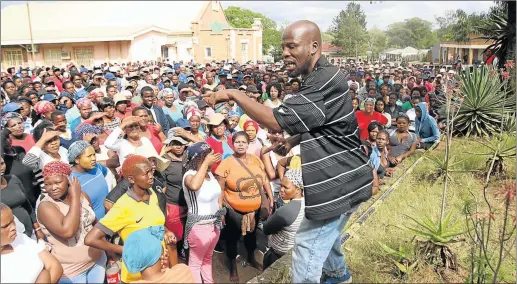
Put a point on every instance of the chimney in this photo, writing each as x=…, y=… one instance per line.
x=257, y=24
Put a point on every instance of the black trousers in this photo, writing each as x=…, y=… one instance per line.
x=233, y=232
x=270, y=257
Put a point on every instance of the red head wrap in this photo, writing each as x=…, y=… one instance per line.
x=56, y=168
x=251, y=122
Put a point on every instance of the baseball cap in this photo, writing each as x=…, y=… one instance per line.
x=171, y=136
x=109, y=76
x=182, y=86
x=83, y=70
x=201, y=104
x=49, y=97
x=223, y=73
x=442, y=70
x=252, y=89
x=177, y=65
x=183, y=123
x=119, y=97
x=10, y=107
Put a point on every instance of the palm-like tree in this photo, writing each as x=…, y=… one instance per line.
x=500, y=28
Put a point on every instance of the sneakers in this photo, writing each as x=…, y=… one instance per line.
x=218, y=248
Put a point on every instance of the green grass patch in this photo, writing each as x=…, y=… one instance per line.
x=418, y=195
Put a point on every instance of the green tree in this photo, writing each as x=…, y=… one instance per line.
x=413, y=32
x=326, y=37
x=458, y=25
x=243, y=18
x=377, y=41
x=349, y=30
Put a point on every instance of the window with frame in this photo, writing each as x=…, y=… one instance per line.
x=13, y=57
x=53, y=57
x=84, y=56
x=208, y=52
x=244, y=50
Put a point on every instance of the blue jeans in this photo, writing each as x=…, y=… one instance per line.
x=318, y=248
x=95, y=274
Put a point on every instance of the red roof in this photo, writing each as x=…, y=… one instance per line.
x=327, y=47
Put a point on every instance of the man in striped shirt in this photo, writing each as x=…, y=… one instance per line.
x=336, y=173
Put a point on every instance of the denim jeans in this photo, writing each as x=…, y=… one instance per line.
x=95, y=274
x=317, y=249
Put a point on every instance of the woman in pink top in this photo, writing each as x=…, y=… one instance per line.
x=14, y=122
x=152, y=131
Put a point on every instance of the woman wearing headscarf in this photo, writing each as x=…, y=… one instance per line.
x=130, y=142
x=137, y=209
x=219, y=142
x=39, y=266
x=169, y=96
x=426, y=128
x=153, y=132
x=251, y=127
x=222, y=108
x=233, y=121
x=284, y=223
x=142, y=253
x=194, y=119
x=107, y=106
x=91, y=175
x=43, y=111
x=66, y=216
x=366, y=116
x=13, y=195
x=204, y=202
x=14, y=122
x=85, y=108
x=247, y=196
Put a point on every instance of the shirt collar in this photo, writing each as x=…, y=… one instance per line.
x=133, y=195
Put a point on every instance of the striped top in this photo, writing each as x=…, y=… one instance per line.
x=284, y=224
x=336, y=173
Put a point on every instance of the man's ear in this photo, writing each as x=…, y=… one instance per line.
x=315, y=46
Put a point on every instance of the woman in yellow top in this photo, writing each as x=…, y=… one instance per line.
x=138, y=208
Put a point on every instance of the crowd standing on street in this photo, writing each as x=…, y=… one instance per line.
x=154, y=166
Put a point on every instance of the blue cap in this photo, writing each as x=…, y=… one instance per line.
x=176, y=66
x=10, y=107
x=83, y=70
x=424, y=76
x=183, y=123
x=169, y=70
x=109, y=76
x=49, y=97
x=432, y=76
x=222, y=73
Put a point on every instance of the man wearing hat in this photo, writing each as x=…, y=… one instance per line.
x=182, y=77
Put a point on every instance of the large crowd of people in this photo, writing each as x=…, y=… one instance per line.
x=162, y=164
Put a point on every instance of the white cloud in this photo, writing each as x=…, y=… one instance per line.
x=379, y=14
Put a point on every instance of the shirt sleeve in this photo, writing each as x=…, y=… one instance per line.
x=114, y=221
x=223, y=170
x=302, y=112
x=282, y=218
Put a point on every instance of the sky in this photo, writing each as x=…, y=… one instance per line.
x=380, y=14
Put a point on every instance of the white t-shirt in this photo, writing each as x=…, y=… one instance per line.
x=205, y=201
x=122, y=146
x=26, y=251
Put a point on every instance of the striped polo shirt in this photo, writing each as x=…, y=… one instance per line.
x=336, y=173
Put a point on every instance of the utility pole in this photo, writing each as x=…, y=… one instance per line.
x=30, y=32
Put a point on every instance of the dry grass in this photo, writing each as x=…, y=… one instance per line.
x=419, y=195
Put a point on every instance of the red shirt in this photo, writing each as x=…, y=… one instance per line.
x=26, y=144
x=364, y=120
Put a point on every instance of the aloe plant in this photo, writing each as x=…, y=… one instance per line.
x=403, y=258
x=486, y=102
x=435, y=240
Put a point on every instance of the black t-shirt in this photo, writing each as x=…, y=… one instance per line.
x=174, y=178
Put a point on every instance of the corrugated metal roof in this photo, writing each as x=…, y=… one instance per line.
x=95, y=20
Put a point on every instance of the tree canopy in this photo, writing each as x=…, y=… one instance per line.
x=348, y=30
x=413, y=32
x=458, y=25
x=243, y=18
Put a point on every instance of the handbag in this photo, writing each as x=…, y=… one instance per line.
x=264, y=204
